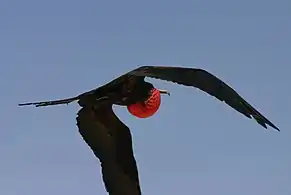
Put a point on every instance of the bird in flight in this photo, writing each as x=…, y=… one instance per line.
x=110, y=139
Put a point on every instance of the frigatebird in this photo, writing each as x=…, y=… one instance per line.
x=110, y=139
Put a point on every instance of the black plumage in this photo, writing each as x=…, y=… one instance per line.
x=110, y=139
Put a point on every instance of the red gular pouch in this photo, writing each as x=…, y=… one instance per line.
x=147, y=108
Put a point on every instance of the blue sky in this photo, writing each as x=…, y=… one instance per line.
x=194, y=144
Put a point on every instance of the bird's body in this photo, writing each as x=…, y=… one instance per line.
x=110, y=139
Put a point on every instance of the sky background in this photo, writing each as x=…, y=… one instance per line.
x=194, y=144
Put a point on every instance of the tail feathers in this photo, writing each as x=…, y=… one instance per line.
x=50, y=103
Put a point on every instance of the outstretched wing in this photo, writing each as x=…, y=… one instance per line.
x=111, y=142
x=208, y=83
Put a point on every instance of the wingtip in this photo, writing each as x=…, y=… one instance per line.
x=274, y=126
x=25, y=104
x=36, y=104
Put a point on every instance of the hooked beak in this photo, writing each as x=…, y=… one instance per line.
x=164, y=92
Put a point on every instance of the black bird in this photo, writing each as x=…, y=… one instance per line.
x=110, y=139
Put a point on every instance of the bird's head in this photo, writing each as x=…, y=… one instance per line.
x=148, y=107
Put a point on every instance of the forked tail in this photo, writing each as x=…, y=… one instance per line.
x=50, y=103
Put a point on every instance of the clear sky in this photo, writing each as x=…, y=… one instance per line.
x=194, y=144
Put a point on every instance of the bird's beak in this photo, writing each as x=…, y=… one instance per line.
x=164, y=92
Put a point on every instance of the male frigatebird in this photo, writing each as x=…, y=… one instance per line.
x=110, y=139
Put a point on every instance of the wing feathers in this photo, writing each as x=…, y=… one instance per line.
x=110, y=141
x=206, y=82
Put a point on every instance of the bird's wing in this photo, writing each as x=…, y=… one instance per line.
x=206, y=82
x=111, y=142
